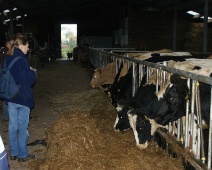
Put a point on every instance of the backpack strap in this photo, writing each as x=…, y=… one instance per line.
x=12, y=62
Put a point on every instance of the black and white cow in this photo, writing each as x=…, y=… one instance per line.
x=170, y=103
x=121, y=89
x=201, y=67
x=166, y=106
x=145, y=94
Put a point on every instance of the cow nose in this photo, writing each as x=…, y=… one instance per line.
x=116, y=130
x=142, y=146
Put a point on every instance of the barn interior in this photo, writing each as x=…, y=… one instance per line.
x=132, y=24
x=143, y=25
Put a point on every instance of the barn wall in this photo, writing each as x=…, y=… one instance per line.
x=96, y=41
x=154, y=30
x=96, y=26
x=194, y=37
x=3, y=29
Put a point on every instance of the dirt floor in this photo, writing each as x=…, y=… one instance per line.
x=77, y=123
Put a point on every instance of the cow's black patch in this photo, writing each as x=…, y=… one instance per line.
x=143, y=128
x=196, y=68
x=123, y=122
x=143, y=96
x=173, y=103
x=205, y=95
x=172, y=106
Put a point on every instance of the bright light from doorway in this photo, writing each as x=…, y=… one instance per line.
x=68, y=38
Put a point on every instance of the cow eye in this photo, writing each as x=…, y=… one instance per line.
x=171, y=98
x=121, y=117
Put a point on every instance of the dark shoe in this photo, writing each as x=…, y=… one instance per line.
x=13, y=158
x=29, y=157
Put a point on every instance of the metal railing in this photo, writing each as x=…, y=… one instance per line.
x=188, y=132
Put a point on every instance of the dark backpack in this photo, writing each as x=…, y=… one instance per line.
x=8, y=86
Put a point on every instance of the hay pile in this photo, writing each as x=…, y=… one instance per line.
x=86, y=140
x=194, y=37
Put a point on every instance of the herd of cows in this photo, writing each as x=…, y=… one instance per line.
x=149, y=109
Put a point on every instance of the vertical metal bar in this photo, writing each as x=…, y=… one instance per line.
x=147, y=73
x=11, y=23
x=187, y=118
x=174, y=27
x=23, y=30
x=157, y=80
x=140, y=74
x=192, y=117
x=201, y=140
x=182, y=130
x=198, y=123
x=117, y=66
x=133, y=79
x=164, y=73
x=210, y=134
x=205, y=29
x=170, y=127
x=178, y=129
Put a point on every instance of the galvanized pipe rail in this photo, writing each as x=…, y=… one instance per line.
x=186, y=130
x=203, y=79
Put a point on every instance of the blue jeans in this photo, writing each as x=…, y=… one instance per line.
x=18, y=129
x=5, y=110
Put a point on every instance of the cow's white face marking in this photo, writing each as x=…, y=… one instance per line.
x=162, y=91
x=132, y=120
x=119, y=108
x=117, y=119
x=154, y=126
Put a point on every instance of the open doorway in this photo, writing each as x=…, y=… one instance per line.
x=68, y=39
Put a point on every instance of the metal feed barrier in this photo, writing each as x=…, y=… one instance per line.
x=184, y=131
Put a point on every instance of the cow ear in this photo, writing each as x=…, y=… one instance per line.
x=175, y=79
x=178, y=81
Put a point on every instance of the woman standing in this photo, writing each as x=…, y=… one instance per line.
x=19, y=106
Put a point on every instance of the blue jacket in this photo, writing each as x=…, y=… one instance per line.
x=23, y=76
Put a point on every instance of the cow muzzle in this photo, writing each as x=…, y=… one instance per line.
x=142, y=146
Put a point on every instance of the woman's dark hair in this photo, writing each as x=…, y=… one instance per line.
x=19, y=41
x=9, y=41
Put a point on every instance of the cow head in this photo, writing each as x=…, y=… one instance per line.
x=95, y=82
x=172, y=105
x=122, y=120
x=141, y=128
x=144, y=95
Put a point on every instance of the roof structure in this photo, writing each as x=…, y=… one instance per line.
x=53, y=9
